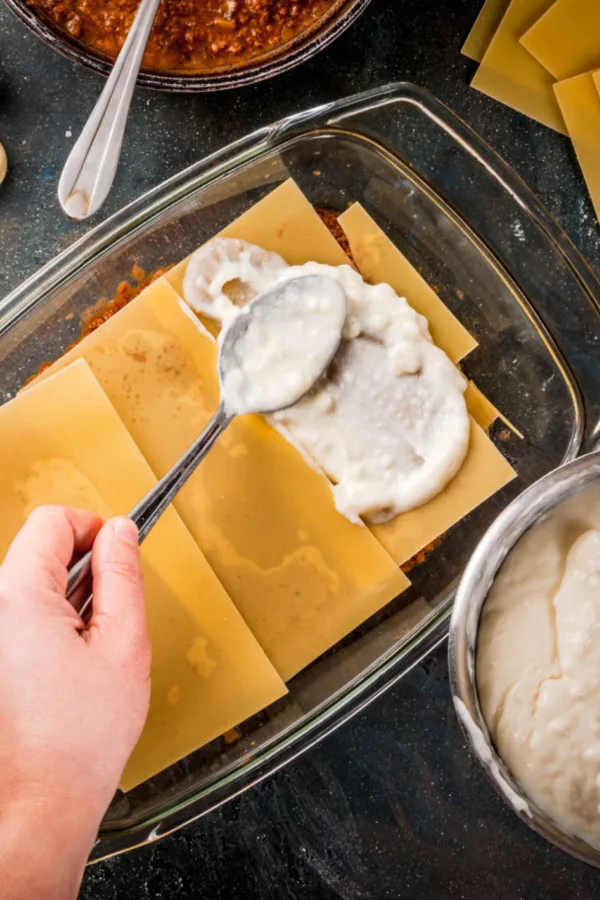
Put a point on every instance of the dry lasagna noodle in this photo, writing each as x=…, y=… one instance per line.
x=579, y=100
x=62, y=442
x=566, y=40
x=509, y=73
x=484, y=29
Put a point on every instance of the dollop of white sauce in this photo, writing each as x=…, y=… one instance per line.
x=538, y=664
x=388, y=424
x=480, y=743
x=225, y=273
x=284, y=348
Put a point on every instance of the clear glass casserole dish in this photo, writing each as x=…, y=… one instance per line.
x=498, y=260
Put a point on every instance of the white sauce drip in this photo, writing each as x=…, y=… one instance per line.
x=389, y=423
x=538, y=664
x=285, y=348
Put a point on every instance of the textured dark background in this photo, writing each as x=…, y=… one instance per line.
x=391, y=806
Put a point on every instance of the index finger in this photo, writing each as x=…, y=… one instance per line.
x=42, y=550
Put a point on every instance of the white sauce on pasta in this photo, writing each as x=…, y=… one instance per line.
x=388, y=423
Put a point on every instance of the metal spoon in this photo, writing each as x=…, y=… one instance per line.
x=286, y=303
x=90, y=168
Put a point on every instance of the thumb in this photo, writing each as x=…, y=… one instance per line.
x=119, y=604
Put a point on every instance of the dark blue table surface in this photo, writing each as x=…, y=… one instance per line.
x=392, y=805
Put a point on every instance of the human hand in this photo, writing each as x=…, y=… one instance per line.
x=73, y=700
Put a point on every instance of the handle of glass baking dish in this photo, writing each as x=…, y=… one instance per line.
x=90, y=168
x=149, y=510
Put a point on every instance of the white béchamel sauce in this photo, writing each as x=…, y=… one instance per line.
x=225, y=273
x=538, y=664
x=388, y=423
x=284, y=347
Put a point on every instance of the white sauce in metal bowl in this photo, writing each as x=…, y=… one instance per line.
x=538, y=664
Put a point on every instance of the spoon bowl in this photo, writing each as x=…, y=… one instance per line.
x=260, y=367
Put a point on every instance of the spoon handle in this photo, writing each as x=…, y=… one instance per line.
x=90, y=168
x=148, y=511
x=152, y=506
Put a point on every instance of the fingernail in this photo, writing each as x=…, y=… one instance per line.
x=125, y=530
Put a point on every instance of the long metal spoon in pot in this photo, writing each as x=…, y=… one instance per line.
x=270, y=356
x=91, y=165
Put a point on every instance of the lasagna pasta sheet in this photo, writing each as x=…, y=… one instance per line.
x=485, y=470
x=62, y=442
x=579, y=100
x=510, y=74
x=379, y=260
x=301, y=575
x=486, y=25
x=566, y=40
x=283, y=222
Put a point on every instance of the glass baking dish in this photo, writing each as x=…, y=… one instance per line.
x=498, y=260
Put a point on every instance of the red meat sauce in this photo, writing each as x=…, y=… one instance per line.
x=196, y=35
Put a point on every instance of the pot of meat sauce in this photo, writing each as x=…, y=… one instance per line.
x=193, y=46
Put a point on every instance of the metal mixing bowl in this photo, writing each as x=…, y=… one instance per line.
x=342, y=14
x=528, y=509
